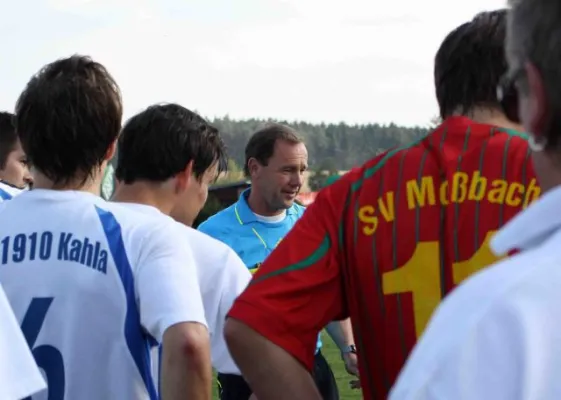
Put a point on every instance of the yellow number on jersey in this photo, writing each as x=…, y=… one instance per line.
x=421, y=276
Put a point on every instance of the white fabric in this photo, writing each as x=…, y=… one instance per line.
x=271, y=218
x=7, y=192
x=222, y=277
x=498, y=336
x=19, y=375
x=97, y=284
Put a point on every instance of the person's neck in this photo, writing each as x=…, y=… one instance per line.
x=490, y=116
x=142, y=193
x=259, y=206
x=91, y=185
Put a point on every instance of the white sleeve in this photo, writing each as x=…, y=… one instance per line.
x=167, y=283
x=235, y=278
x=484, y=363
x=19, y=375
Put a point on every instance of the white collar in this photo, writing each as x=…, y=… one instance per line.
x=531, y=226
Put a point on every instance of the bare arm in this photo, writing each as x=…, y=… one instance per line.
x=342, y=333
x=186, y=366
x=276, y=368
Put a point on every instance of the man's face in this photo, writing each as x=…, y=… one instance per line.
x=16, y=171
x=192, y=200
x=279, y=181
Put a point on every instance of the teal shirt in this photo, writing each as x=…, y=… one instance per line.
x=253, y=240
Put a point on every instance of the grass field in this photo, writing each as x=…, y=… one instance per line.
x=331, y=352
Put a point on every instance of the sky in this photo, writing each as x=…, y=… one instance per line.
x=357, y=61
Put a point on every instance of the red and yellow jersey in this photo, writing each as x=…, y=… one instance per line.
x=388, y=241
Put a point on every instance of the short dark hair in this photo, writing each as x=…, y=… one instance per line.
x=67, y=117
x=470, y=63
x=8, y=137
x=159, y=142
x=261, y=145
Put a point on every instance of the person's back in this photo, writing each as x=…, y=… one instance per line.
x=386, y=242
x=418, y=221
x=92, y=284
x=71, y=278
x=167, y=158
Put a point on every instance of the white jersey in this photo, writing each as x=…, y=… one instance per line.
x=497, y=336
x=222, y=277
x=7, y=192
x=19, y=375
x=94, y=285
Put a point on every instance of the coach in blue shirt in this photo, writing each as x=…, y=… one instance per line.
x=276, y=159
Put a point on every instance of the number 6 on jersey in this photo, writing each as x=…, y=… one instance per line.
x=47, y=357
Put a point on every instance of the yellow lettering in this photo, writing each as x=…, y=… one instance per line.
x=459, y=187
x=532, y=193
x=387, y=208
x=367, y=217
x=477, y=187
x=514, y=194
x=418, y=196
x=498, y=192
x=444, y=193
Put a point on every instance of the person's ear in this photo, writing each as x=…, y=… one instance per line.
x=253, y=167
x=183, y=178
x=111, y=151
x=535, y=110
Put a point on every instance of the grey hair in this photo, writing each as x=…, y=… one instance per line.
x=534, y=35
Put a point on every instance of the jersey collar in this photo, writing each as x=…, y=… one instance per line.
x=244, y=215
x=532, y=226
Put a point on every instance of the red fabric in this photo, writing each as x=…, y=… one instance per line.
x=387, y=241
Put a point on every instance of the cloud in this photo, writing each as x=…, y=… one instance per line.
x=357, y=60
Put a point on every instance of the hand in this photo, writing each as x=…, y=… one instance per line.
x=252, y=397
x=351, y=365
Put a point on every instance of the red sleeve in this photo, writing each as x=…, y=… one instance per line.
x=299, y=288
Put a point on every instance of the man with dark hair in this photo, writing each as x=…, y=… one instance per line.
x=505, y=345
x=191, y=149
x=93, y=284
x=276, y=159
x=387, y=241
x=14, y=170
x=168, y=156
x=468, y=68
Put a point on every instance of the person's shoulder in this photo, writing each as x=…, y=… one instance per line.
x=298, y=209
x=497, y=288
x=141, y=233
x=212, y=255
x=220, y=223
x=130, y=217
x=204, y=243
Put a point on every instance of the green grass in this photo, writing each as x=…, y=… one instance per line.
x=331, y=352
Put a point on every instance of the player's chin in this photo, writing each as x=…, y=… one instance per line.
x=288, y=199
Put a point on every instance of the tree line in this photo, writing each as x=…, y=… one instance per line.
x=331, y=147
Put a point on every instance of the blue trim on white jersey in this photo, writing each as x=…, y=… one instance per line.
x=137, y=340
x=5, y=195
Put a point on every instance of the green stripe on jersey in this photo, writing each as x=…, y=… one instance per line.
x=313, y=258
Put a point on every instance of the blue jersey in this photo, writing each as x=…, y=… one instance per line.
x=252, y=238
